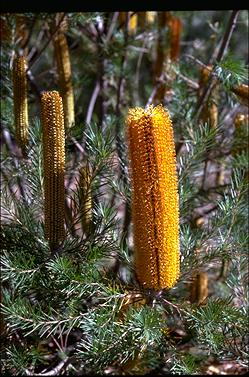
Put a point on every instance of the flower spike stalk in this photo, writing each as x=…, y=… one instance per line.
x=65, y=77
x=54, y=166
x=155, y=205
x=19, y=79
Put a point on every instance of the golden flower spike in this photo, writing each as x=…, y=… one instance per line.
x=155, y=207
x=19, y=79
x=132, y=25
x=54, y=166
x=65, y=77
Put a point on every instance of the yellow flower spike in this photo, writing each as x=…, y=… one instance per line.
x=62, y=57
x=155, y=203
x=86, y=198
x=20, y=88
x=133, y=24
x=52, y=118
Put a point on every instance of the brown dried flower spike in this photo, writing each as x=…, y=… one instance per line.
x=20, y=102
x=54, y=166
x=155, y=207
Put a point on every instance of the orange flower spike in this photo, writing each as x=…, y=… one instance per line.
x=175, y=25
x=52, y=118
x=155, y=206
x=20, y=88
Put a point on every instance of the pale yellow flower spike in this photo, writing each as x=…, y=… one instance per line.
x=65, y=77
x=155, y=206
x=52, y=118
x=20, y=102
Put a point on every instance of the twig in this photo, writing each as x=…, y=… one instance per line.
x=119, y=94
x=53, y=372
x=37, y=43
x=127, y=216
x=92, y=102
x=151, y=97
x=32, y=81
x=224, y=45
x=112, y=26
x=30, y=32
x=139, y=62
x=96, y=89
x=47, y=43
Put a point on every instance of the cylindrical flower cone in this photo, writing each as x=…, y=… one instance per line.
x=20, y=88
x=132, y=25
x=210, y=110
x=65, y=77
x=199, y=288
x=54, y=167
x=175, y=26
x=242, y=93
x=155, y=204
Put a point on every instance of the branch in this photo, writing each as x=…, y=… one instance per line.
x=223, y=48
x=47, y=43
x=52, y=372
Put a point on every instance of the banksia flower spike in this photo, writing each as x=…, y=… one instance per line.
x=242, y=93
x=65, y=77
x=54, y=166
x=210, y=109
x=199, y=288
x=19, y=79
x=86, y=199
x=132, y=25
x=155, y=207
x=175, y=26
